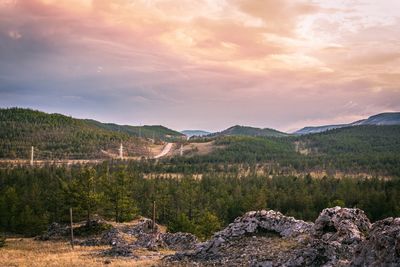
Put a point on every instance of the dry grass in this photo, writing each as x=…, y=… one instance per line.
x=28, y=252
x=203, y=148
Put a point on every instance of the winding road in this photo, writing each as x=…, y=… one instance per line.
x=165, y=151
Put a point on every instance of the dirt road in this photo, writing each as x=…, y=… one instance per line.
x=165, y=151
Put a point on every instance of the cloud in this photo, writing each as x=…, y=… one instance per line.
x=201, y=64
x=278, y=16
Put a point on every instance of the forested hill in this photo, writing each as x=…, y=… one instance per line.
x=365, y=149
x=238, y=130
x=56, y=136
x=146, y=131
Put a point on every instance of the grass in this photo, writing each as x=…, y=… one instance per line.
x=28, y=252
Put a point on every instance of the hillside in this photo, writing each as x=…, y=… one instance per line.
x=56, y=136
x=238, y=130
x=359, y=149
x=146, y=131
x=389, y=118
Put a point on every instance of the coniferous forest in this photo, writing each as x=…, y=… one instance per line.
x=31, y=198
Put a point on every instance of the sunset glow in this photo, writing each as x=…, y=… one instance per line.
x=202, y=64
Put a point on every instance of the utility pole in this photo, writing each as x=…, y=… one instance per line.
x=32, y=149
x=181, y=150
x=72, y=229
x=121, y=152
x=154, y=217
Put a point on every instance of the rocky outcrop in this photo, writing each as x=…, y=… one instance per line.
x=335, y=235
x=342, y=225
x=257, y=224
x=339, y=237
x=126, y=239
x=382, y=246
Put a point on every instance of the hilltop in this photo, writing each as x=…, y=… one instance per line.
x=390, y=118
x=238, y=130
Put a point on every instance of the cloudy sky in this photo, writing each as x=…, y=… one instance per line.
x=202, y=64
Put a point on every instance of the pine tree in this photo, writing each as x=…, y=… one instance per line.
x=83, y=192
x=118, y=196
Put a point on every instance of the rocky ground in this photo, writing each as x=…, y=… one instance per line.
x=136, y=240
x=339, y=237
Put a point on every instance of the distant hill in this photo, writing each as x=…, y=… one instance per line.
x=57, y=136
x=238, y=130
x=191, y=133
x=319, y=129
x=360, y=149
x=390, y=118
x=146, y=131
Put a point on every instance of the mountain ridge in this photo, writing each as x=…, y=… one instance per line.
x=386, y=118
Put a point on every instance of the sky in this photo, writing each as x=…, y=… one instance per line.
x=202, y=64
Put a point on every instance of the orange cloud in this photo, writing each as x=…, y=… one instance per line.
x=311, y=56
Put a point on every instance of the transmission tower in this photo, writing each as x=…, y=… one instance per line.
x=32, y=151
x=121, y=152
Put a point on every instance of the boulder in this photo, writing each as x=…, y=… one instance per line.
x=342, y=225
x=335, y=235
x=261, y=221
x=382, y=246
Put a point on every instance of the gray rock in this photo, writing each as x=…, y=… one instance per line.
x=180, y=241
x=343, y=225
x=335, y=235
x=382, y=247
x=174, y=241
x=254, y=222
x=145, y=226
x=55, y=231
